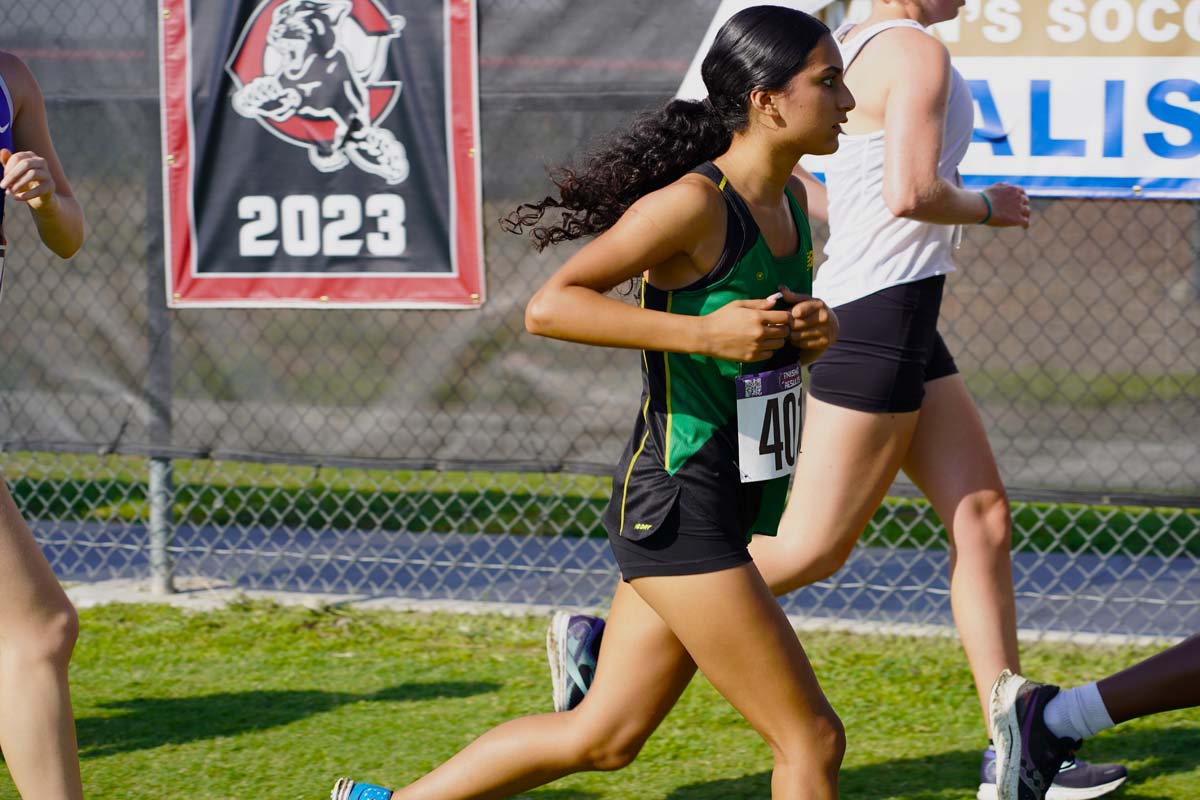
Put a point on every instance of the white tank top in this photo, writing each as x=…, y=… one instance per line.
x=870, y=248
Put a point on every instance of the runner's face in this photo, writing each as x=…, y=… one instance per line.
x=815, y=101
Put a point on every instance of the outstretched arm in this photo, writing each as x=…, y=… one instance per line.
x=1164, y=682
x=33, y=174
x=914, y=120
x=663, y=236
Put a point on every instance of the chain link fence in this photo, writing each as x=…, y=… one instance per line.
x=436, y=454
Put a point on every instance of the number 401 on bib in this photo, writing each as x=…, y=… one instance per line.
x=768, y=417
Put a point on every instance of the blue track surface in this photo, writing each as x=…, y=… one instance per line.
x=1144, y=596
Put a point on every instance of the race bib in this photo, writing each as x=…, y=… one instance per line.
x=768, y=417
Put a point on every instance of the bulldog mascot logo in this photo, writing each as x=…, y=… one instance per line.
x=310, y=72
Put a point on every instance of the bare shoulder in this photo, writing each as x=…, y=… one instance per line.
x=917, y=50
x=17, y=76
x=12, y=65
x=909, y=67
x=689, y=203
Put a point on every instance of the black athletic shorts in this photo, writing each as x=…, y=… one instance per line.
x=689, y=541
x=888, y=349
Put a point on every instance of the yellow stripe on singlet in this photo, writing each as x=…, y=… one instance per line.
x=645, y=436
x=632, y=461
x=667, y=370
x=721, y=185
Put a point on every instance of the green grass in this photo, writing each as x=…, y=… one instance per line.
x=245, y=494
x=1055, y=528
x=272, y=702
x=1038, y=387
x=89, y=488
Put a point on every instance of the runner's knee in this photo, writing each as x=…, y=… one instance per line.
x=794, y=559
x=613, y=756
x=819, y=743
x=48, y=635
x=986, y=523
x=606, y=749
x=807, y=565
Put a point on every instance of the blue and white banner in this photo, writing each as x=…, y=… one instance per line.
x=1077, y=98
x=1086, y=126
x=1082, y=97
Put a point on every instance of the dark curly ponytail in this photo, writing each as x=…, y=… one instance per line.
x=658, y=148
x=761, y=47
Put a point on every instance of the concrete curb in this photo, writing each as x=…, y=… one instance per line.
x=204, y=594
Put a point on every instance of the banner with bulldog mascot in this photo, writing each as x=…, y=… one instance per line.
x=321, y=153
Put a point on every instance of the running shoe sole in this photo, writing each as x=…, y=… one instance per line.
x=346, y=789
x=988, y=791
x=1006, y=735
x=556, y=654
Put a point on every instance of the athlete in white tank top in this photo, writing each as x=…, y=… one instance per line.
x=870, y=248
x=895, y=202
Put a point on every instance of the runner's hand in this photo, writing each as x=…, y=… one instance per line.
x=814, y=324
x=27, y=178
x=1010, y=206
x=745, y=330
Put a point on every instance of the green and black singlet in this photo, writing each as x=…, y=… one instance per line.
x=685, y=445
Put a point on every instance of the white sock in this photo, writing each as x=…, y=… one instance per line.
x=1077, y=713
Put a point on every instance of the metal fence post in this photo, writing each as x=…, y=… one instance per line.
x=158, y=335
x=161, y=524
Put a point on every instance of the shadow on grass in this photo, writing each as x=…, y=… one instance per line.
x=1157, y=752
x=951, y=771
x=154, y=721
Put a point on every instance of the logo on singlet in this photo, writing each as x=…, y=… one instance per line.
x=311, y=72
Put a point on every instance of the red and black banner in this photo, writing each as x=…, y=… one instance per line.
x=321, y=153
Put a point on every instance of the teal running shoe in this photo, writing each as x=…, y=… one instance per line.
x=572, y=646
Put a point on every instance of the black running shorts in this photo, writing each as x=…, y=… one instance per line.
x=689, y=541
x=888, y=349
